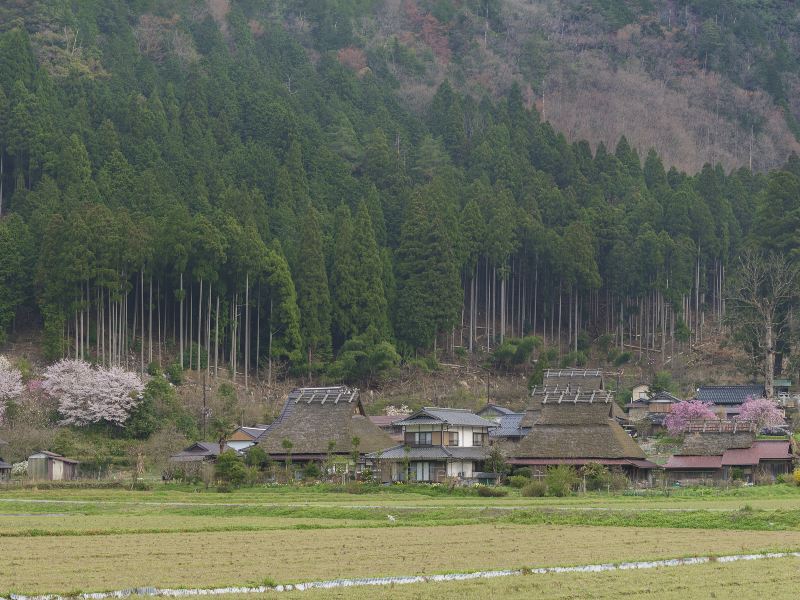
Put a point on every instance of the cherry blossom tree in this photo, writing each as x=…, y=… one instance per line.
x=682, y=413
x=761, y=411
x=10, y=384
x=92, y=395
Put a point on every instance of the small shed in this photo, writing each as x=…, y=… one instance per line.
x=49, y=466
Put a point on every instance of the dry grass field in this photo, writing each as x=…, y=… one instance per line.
x=113, y=539
x=774, y=579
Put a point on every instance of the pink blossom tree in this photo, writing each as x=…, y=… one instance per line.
x=682, y=413
x=10, y=384
x=91, y=395
x=761, y=411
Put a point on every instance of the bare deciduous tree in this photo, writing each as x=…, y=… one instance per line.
x=759, y=295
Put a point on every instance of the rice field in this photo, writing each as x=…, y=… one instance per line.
x=99, y=540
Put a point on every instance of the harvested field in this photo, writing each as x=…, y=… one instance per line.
x=774, y=579
x=93, y=563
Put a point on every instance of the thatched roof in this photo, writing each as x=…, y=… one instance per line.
x=575, y=379
x=313, y=417
x=577, y=429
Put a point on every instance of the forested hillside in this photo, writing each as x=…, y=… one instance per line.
x=219, y=185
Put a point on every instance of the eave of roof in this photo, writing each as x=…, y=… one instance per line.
x=694, y=462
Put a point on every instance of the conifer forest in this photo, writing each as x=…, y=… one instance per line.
x=196, y=184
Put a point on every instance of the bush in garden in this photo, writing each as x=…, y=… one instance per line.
x=560, y=480
x=535, y=489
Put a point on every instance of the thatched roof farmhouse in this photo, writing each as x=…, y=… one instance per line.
x=314, y=418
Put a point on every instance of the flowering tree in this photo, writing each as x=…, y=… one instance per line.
x=761, y=411
x=682, y=413
x=91, y=395
x=10, y=384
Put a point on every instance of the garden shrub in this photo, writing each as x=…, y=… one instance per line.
x=535, y=489
x=560, y=480
x=491, y=492
x=518, y=481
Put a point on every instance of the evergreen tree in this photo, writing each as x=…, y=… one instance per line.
x=313, y=295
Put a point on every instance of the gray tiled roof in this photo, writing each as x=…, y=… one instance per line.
x=4, y=465
x=510, y=426
x=452, y=416
x=729, y=394
x=433, y=453
x=500, y=410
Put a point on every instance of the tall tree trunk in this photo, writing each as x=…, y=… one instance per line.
x=190, y=334
x=141, y=303
x=246, y=327
x=269, y=350
x=208, y=333
x=181, y=323
x=199, y=326
x=216, y=340
x=150, y=324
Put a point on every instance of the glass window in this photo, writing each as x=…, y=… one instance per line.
x=452, y=438
x=423, y=438
x=422, y=471
x=478, y=439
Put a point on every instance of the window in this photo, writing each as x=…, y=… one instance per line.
x=421, y=471
x=452, y=438
x=422, y=438
x=478, y=439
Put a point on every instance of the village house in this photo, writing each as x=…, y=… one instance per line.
x=640, y=391
x=321, y=424
x=713, y=451
x=510, y=429
x=650, y=413
x=5, y=468
x=198, y=452
x=387, y=424
x=577, y=428
x=438, y=443
x=244, y=437
x=727, y=400
x=493, y=412
x=49, y=466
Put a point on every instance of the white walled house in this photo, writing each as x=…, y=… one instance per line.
x=437, y=443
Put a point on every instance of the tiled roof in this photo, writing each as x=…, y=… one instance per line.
x=510, y=426
x=253, y=432
x=728, y=394
x=500, y=410
x=663, y=396
x=452, y=416
x=432, y=453
x=4, y=465
x=694, y=462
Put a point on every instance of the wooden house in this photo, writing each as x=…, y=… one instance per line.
x=387, y=424
x=320, y=423
x=727, y=400
x=651, y=412
x=244, y=437
x=5, y=468
x=578, y=428
x=713, y=451
x=49, y=466
x=438, y=443
x=198, y=452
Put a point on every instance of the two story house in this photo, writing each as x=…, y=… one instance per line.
x=437, y=443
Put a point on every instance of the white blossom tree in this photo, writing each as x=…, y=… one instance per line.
x=88, y=395
x=10, y=384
